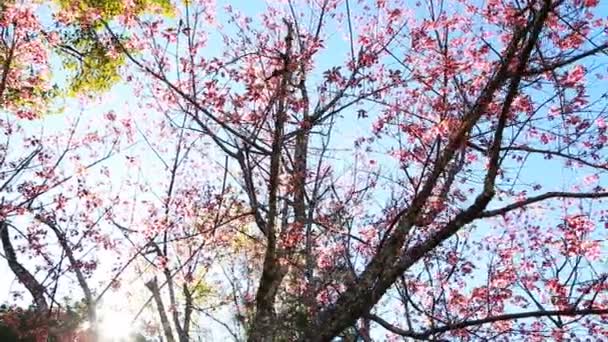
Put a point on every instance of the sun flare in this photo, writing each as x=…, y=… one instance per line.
x=115, y=325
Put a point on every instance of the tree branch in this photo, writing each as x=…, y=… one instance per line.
x=476, y=322
x=531, y=200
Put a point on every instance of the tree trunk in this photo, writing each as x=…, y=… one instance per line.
x=24, y=276
x=152, y=285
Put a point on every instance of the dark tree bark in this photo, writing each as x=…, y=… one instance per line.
x=23, y=275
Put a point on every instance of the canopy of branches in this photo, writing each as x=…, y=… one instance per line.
x=304, y=170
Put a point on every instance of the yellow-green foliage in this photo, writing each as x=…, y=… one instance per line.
x=108, y=9
x=93, y=68
x=201, y=292
x=165, y=5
